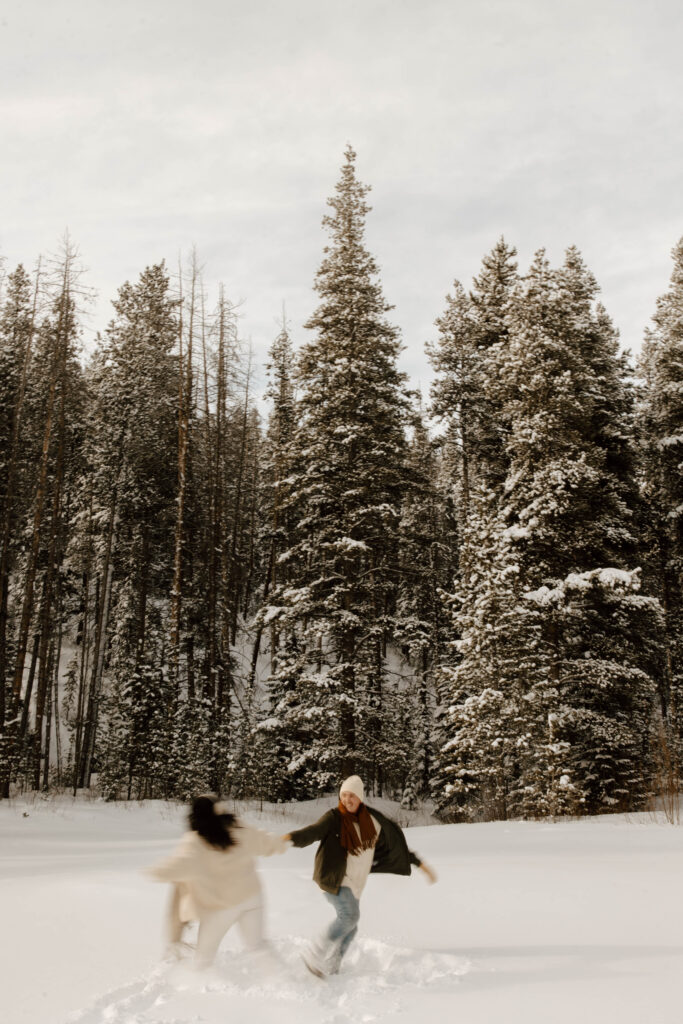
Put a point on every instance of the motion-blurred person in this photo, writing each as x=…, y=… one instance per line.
x=213, y=872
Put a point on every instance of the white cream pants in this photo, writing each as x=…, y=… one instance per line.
x=213, y=925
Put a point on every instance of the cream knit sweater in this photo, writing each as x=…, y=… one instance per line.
x=358, y=864
x=214, y=879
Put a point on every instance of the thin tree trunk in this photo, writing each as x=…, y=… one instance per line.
x=39, y=505
x=184, y=404
x=57, y=721
x=189, y=648
x=259, y=631
x=96, y=680
x=219, y=547
x=83, y=671
x=209, y=683
x=26, y=708
x=143, y=590
x=232, y=557
x=252, y=527
x=45, y=674
x=101, y=624
x=43, y=752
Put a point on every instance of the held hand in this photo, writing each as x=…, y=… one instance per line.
x=429, y=872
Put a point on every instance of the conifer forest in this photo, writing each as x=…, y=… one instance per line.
x=476, y=601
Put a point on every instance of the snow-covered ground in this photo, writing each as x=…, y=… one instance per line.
x=575, y=922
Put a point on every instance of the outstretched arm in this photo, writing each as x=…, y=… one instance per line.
x=263, y=844
x=429, y=872
x=318, y=830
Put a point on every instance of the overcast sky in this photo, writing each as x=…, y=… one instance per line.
x=146, y=127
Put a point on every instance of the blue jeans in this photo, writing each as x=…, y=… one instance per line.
x=335, y=941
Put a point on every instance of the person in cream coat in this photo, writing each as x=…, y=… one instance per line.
x=214, y=879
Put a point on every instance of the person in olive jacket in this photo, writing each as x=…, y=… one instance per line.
x=354, y=841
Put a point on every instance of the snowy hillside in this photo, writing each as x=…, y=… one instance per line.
x=530, y=922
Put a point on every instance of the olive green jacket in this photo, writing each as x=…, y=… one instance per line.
x=391, y=854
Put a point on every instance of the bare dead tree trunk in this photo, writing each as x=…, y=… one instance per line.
x=43, y=751
x=39, y=506
x=85, y=654
x=251, y=553
x=26, y=708
x=209, y=683
x=219, y=547
x=57, y=720
x=233, y=574
x=184, y=407
x=84, y=764
x=45, y=674
x=256, y=649
x=90, y=730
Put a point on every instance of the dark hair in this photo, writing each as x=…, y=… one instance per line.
x=212, y=826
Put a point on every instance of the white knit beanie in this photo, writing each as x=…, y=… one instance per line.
x=354, y=784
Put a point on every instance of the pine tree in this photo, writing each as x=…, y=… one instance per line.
x=271, y=735
x=344, y=497
x=278, y=456
x=472, y=330
x=482, y=718
x=572, y=645
x=17, y=321
x=131, y=454
x=661, y=431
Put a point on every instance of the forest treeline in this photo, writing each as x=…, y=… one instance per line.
x=193, y=596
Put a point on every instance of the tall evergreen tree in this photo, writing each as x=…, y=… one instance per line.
x=661, y=432
x=472, y=331
x=272, y=741
x=132, y=453
x=17, y=320
x=344, y=497
x=557, y=644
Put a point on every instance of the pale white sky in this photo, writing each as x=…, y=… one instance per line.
x=146, y=127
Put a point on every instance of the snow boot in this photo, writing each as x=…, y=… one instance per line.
x=313, y=965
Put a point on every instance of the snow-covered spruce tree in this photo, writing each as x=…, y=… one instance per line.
x=556, y=642
x=481, y=718
x=428, y=562
x=277, y=462
x=130, y=517
x=344, y=495
x=17, y=318
x=472, y=330
x=272, y=738
x=661, y=435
